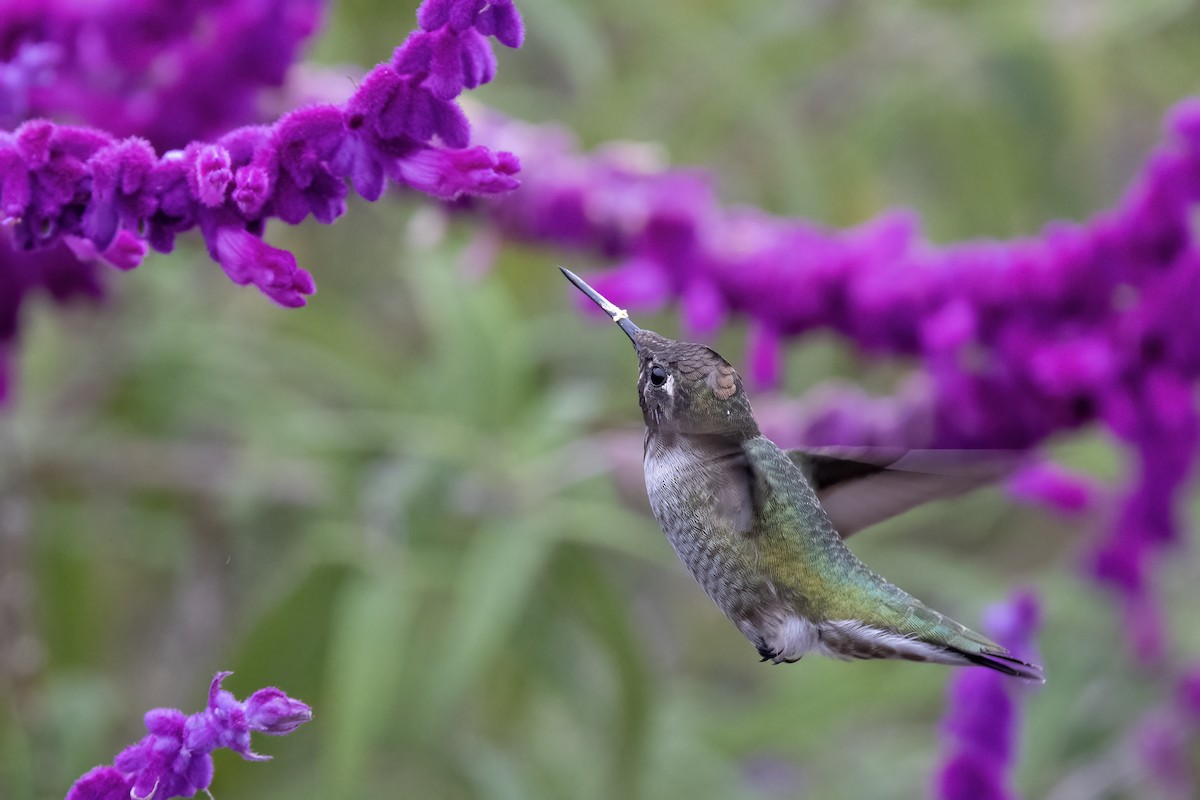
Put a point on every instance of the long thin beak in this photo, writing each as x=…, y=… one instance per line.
x=619, y=315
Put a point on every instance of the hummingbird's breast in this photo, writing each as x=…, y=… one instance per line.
x=702, y=503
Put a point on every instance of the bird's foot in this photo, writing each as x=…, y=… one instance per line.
x=774, y=655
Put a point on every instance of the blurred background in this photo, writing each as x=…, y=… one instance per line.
x=398, y=504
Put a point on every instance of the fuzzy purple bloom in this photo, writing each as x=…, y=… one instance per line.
x=272, y=712
x=112, y=197
x=980, y=726
x=58, y=180
x=174, y=759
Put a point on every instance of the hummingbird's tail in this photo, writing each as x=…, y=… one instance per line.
x=1001, y=661
x=915, y=631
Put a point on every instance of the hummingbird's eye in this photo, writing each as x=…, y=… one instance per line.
x=658, y=375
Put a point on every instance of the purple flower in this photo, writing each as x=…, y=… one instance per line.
x=58, y=181
x=980, y=725
x=145, y=73
x=450, y=173
x=174, y=759
x=247, y=259
x=273, y=712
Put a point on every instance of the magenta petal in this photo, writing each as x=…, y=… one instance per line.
x=1055, y=487
x=433, y=14
x=413, y=56
x=199, y=772
x=252, y=188
x=126, y=251
x=247, y=259
x=478, y=60
x=165, y=722
x=272, y=711
x=949, y=329
x=502, y=20
x=451, y=124
x=704, y=309
x=211, y=175
x=765, y=357
x=445, y=78
x=101, y=783
x=135, y=757
x=450, y=173
x=1184, y=120
x=965, y=778
x=357, y=161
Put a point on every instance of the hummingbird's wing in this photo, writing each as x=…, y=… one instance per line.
x=859, y=487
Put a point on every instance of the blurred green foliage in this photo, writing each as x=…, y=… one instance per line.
x=394, y=504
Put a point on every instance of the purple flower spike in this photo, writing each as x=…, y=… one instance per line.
x=60, y=181
x=139, y=71
x=174, y=759
x=981, y=719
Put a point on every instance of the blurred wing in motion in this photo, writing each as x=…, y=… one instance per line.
x=860, y=486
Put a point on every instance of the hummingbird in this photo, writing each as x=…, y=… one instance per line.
x=761, y=529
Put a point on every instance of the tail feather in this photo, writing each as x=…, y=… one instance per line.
x=1002, y=662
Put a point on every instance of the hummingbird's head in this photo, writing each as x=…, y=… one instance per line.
x=682, y=387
